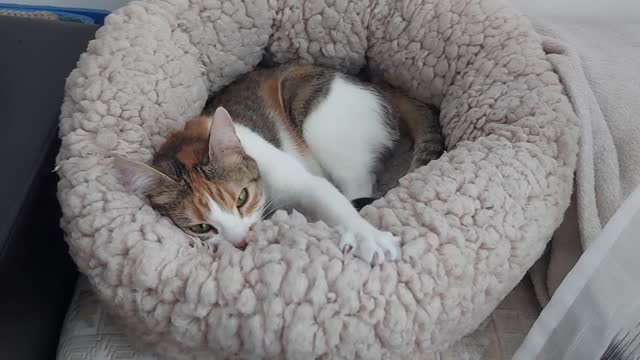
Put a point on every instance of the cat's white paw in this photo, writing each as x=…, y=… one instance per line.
x=370, y=244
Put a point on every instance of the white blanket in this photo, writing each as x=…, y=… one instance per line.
x=596, y=51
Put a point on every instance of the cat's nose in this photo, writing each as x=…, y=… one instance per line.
x=242, y=245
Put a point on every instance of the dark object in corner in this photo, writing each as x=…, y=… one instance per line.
x=362, y=202
x=625, y=345
x=37, y=276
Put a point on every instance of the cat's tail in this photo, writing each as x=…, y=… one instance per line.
x=419, y=122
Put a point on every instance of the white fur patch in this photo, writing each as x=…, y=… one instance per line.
x=231, y=226
x=346, y=133
x=287, y=182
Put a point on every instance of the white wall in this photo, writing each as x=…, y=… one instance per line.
x=602, y=9
x=533, y=7
x=556, y=7
x=89, y=4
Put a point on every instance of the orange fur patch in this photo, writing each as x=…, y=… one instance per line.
x=198, y=205
x=191, y=144
x=190, y=154
x=197, y=127
x=270, y=92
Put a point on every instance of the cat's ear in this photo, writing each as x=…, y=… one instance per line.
x=138, y=177
x=223, y=140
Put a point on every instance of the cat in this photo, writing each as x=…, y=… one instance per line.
x=298, y=136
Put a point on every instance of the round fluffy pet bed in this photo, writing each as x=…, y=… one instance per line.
x=471, y=223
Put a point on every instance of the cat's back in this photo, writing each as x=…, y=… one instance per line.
x=244, y=100
x=271, y=101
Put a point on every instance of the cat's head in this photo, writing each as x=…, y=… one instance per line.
x=203, y=180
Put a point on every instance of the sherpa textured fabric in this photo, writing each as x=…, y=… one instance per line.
x=471, y=222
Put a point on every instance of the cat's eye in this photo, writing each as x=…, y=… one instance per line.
x=202, y=228
x=242, y=198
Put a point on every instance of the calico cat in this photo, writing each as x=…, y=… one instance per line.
x=297, y=136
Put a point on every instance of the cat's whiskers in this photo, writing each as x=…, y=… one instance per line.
x=266, y=209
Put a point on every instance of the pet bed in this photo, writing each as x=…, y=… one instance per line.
x=471, y=223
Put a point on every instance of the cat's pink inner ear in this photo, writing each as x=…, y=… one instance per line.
x=223, y=139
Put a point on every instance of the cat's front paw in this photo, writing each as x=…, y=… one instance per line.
x=370, y=244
